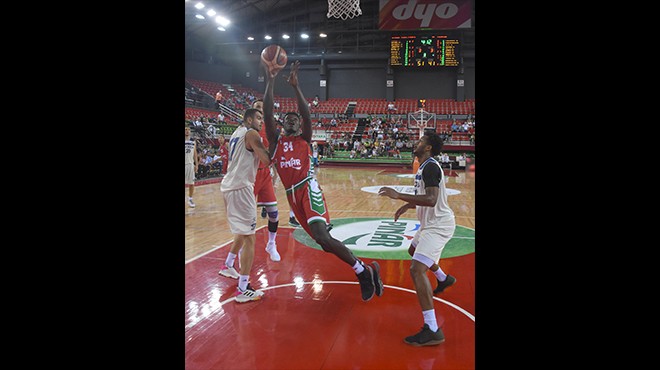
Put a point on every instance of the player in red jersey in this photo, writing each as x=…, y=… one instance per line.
x=291, y=156
x=224, y=154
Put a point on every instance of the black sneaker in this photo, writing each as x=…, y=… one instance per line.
x=293, y=222
x=378, y=284
x=263, y=212
x=442, y=285
x=425, y=337
x=366, y=279
x=329, y=227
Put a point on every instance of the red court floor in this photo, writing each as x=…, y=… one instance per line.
x=312, y=315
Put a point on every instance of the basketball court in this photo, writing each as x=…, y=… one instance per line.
x=312, y=315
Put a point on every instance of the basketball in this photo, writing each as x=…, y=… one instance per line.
x=274, y=58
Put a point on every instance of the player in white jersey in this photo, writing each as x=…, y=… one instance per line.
x=191, y=166
x=437, y=225
x=237, y=187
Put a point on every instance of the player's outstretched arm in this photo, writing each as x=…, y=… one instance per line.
x=303, y=108
x=269, y=118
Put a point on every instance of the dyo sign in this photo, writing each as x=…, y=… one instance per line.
x=424, y=12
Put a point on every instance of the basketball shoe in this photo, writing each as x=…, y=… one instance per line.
x=271, y=248
x=426, y=337
x=293, y=222
x=249, y=294
x=366, y=280
x=229, y=272
x=378, y=283
x=442, y=285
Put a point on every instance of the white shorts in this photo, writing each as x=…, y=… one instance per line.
x=190, y=174
x=241, y=207
x=431, y=241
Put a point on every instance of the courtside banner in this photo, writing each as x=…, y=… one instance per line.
x=424, y=14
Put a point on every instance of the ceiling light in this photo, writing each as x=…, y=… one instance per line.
x=210, y=13
x=224, y=22
x=221, y=28
x=285, y=36
x=304, y=35
x=199, y=16
x=199, y=5
x=267, y=37
x=250, y=38
x=322, y=34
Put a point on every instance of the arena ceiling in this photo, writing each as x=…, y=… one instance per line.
x=257, y=18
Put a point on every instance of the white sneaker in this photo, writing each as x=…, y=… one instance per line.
x=249, y=294
x=229, y=272
x=271, y=248
x=191, y=203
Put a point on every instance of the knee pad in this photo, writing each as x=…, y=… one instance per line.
x=273, y=213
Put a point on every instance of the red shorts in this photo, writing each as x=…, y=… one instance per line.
x=308, y=205
x=263, y=188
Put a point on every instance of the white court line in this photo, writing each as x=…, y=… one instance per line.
x=463, y=311
x=217, y=247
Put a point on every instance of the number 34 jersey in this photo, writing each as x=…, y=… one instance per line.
x=292, y=159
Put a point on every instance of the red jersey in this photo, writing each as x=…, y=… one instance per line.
x=264, y=140
x=224, y=152
x=292, y=160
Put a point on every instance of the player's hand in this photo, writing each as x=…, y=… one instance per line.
x=292, y=78
x=388, y=192
x=400, y=211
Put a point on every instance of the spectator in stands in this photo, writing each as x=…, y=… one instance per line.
x=390, y=107
x=330, y=149
x=221, y=118
x=315, y=102
x=218, y=99
x=216, y=163
x=212, y=130
x=444, y=158
x=205, y=164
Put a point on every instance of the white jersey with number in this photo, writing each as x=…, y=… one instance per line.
x=440, y=214
x=243, y=164
x=190, y=152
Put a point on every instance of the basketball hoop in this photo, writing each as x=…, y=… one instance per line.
x=344, y=9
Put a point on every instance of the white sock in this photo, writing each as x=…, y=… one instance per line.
x=230, y=259
x=440, y=274
x=429, y=319
x=243, y=282
x=358, y=267
x=291, y=215
x=271, y=236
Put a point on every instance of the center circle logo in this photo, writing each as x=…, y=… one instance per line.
x=385, y=238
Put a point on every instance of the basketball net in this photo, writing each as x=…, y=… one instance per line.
x=344, y=9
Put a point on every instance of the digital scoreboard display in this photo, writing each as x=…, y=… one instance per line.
x=424, y=51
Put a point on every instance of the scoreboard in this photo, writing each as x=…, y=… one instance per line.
x=424, y=51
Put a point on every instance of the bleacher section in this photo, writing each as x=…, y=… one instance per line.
x=234, y=101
